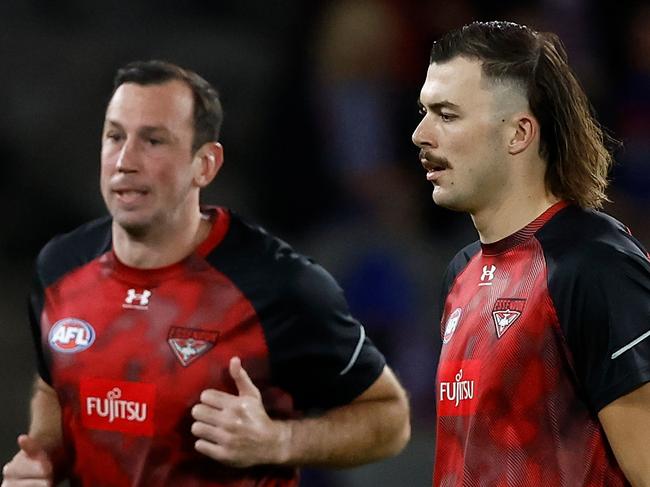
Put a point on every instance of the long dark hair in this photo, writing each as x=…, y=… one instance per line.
x=572, y=141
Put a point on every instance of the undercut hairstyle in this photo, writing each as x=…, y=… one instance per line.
x=572, y=142
x=208, y=113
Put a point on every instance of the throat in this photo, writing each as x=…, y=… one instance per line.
x=496, y=224
x=158, y=247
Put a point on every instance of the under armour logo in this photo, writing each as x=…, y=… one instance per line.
x=137, y=300
x=488, y=275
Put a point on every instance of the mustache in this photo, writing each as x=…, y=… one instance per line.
x=430, y=161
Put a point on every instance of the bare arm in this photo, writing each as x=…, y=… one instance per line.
x=45, y=423
x=236, y=429
x=374, y=426
x=40, y=458
x=626, y=422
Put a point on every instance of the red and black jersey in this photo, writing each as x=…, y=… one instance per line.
x=129, y=351
x=540, y=331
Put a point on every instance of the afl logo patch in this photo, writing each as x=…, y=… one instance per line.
x=71, y=335
x=452, y=323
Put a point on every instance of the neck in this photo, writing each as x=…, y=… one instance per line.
x=506, y=217
x=162, y=246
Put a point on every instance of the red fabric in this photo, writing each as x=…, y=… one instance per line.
x=513, y=416
x=138, y=319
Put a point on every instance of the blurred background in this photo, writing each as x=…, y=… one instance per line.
x=320, y=103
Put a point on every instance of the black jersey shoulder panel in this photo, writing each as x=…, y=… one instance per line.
x=599, y=282
x=60, y=256
x=454, y=269
x=72, y=250
x=310, y=333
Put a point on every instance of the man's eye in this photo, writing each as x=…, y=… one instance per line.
x=114, y=136
x=422, y=111
x=447, y=117
x=155, y=141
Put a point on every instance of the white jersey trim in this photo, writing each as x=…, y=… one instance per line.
x=357, y=351
x=624, y=349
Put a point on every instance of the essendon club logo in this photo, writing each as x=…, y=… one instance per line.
x=188, y=344
x=113, y=405
x=505, y=312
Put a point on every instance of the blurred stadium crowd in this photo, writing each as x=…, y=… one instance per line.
x=320, y=103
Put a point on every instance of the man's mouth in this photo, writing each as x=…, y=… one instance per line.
x=434, y=166
x=129, y=196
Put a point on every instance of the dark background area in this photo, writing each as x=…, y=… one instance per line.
x=320, y=103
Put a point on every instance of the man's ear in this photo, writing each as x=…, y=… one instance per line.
x=208, y=161
x=525, y=132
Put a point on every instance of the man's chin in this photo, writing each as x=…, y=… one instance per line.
x=441, y=197
x=445, y=200
x=135, y=227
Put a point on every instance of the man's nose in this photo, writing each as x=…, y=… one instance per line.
x=127, y=158
x=423, y=135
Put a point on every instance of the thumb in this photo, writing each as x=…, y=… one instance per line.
x=31, y=446
x=244, y=384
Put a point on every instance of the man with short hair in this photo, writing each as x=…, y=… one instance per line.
x=544, y=369
x=180, y=345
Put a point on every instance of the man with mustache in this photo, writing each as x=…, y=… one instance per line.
x=545, y=362
x=180, y=345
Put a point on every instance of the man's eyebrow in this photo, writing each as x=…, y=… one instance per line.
x=146, y=129
x=434, y=107
x=108, y=121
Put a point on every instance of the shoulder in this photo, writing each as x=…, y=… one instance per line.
x=454, y=269
x=596, y=270
x=74, y=249
x=245, y=239
x=251, y=256
x=588, y=243
x=463, y=256
x=599, y=283
x=460, y=261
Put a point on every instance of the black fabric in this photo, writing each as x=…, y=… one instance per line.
x=310, y=333
x=599, y=282
x=454, y=268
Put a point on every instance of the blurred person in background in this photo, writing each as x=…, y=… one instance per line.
x=180, y=345
x=545, y=362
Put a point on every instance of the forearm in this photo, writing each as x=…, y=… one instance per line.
x=237, y=431
x=348, y=436
x=626, y=422
x=45, y=425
